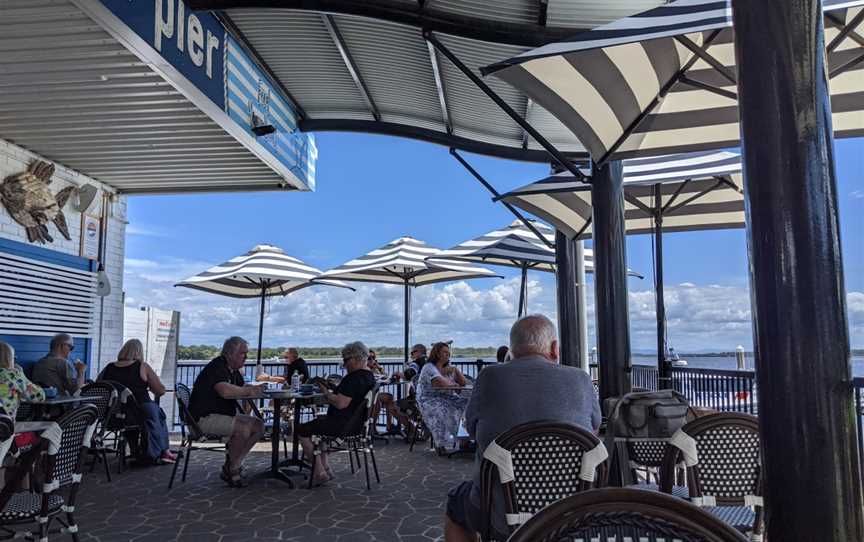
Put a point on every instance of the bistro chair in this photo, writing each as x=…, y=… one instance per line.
x=723, y=468
x=123, y=423
x=624, y=515
x=67, y=442
x=192, y=434
x=536, y=464
x=7, y=434
x=361, y=441
x=105, y=399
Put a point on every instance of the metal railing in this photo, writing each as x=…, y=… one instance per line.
x=858, y=395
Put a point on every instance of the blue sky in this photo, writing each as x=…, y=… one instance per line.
x=373, y=189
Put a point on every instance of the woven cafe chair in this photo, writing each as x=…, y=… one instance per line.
x=192, y=433
x=353, y=443
x=624, y=515
x=105, y=398
x=536, y=464
x=723, y=468
x=63, y=463
x=125, y=421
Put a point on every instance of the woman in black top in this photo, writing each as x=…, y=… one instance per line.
x=131, y=371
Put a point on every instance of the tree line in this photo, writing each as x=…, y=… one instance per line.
x=206, y=351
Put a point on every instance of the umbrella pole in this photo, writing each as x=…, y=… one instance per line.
x=261, y=327
x=407, y=318
x=523, y=292
x=663, y=372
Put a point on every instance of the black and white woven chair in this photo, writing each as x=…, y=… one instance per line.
x=67, y=441
x=124, y=427
x=723, y=464
x=192, y=434
x=353, y=443
x=105, y=398
x=536, y=464
x=624, y=515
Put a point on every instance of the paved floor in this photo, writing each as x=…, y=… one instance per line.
x=408, y=506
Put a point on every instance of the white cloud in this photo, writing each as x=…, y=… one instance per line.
x=476, y=313
x=857, y=194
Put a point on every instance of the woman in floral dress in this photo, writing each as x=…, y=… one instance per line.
x=14, y=386
x=441, y=408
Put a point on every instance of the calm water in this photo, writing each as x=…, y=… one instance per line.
x=711, y=362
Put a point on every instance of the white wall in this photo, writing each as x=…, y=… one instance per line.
x=13, y=160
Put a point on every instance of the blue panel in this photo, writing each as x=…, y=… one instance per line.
x=253, y=100
x=30, y=348
x=44, y=255
x=192, y=42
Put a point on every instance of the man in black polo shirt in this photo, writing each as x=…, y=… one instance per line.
x=214, y=406
x=295, y=364
x=344, y=402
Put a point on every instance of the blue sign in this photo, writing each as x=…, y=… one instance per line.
x=255, y=104
x=191, y=42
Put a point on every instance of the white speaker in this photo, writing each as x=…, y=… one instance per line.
x=103, y=285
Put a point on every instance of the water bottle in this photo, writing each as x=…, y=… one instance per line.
x=295, y=382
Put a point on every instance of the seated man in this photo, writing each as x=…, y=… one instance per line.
x=214, y=405
x=531, y=388
x=296, y=364
x=344, y=401
x=54, y=371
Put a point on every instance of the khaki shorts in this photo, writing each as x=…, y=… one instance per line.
x=217, y=424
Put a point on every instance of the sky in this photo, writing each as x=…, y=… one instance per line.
x=373, y=189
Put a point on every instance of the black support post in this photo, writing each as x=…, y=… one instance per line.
x=568, y=317
x=523, y=292
x=806, y=413
x=261, y=325
x=665, y=381
x=407, y=317
x=610, y=280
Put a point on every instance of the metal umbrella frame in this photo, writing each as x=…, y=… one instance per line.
x=699, y=191
x=665, y=81
x=264, y=271
x=404, y=261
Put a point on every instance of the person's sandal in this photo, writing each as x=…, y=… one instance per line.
x=232, y=477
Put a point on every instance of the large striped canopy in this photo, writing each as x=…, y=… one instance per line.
x=664, y=81
x=700, y=191
x=405, y=260
x=265, y=269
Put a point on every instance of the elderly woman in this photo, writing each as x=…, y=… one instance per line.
x=442, y=409
x=131, y=371
x=14, y=386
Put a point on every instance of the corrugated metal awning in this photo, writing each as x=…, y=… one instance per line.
x=73, y=93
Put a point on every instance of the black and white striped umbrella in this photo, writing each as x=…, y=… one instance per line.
x=404, y=261
x=664, y=81
x=699, y=191
x=262, y=272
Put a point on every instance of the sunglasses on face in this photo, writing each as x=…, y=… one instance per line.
x=70, y=346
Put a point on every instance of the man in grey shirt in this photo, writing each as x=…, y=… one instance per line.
x=532, y=387
x=54, y=371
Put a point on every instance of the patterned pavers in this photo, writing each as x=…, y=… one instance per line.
x=408, y=506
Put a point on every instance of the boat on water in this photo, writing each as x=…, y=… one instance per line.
x=674, y=359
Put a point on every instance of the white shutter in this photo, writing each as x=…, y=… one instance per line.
x=41, y=298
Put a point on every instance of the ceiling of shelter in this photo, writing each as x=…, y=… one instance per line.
x=72, y=93
x=365, y=66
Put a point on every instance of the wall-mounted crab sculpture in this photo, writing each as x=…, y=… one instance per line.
x=32, y=204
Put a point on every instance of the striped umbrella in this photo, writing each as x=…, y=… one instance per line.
x=404, y=261
x=262, y=272
x=664, y=81
x=513, y=246
x=698, y=191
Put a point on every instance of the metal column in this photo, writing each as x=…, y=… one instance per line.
x=523, y=292
x=407, y=317
x=261, y=325
x=568, y=317
x=581, y=306
x=663, y=366
x=807, y=417
x=610, y=280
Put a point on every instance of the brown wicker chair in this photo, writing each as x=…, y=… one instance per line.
x=723, y=464
x=619, y=514
x=536, y=464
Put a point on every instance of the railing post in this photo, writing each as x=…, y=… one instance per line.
x=801, y=335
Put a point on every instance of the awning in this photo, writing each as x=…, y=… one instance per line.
x=700, y=191
x=664, y=81
x=83, y=84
